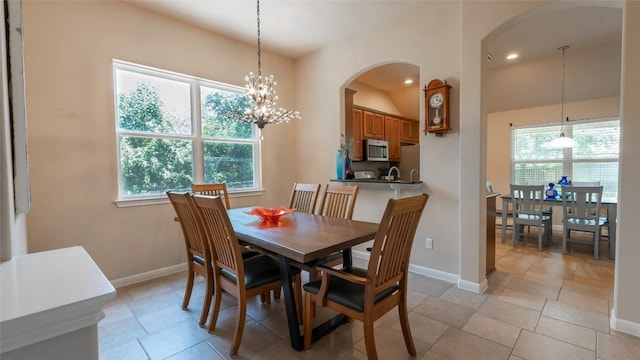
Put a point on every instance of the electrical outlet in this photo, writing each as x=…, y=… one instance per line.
x=429, y=243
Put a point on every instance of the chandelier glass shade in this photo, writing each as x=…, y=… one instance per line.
x=261, y=98
x=562, y=141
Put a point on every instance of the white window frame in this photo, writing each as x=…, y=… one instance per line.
x=567, y=159
x=196, y=137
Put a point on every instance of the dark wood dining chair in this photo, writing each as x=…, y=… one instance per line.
x=213, y=189
x=338, y=201
x=581, y=209
x=241, y=278
x=220, y=189
x=304, y=197
x=368, y=294
x=198, y=252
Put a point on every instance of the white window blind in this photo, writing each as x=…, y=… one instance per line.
x=595, y=159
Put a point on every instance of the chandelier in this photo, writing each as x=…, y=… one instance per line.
x=261, y=97
x=562, y=141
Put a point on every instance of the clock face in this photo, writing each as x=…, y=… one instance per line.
x=436, y=100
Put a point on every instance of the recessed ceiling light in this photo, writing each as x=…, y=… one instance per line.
x=512, y=56
x=408, y=81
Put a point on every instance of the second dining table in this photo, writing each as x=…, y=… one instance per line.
x=301, y=240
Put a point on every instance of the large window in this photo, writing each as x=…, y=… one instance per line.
x=594, y=160
x=172, y=131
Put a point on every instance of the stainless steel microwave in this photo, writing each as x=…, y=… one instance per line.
x=376, y=150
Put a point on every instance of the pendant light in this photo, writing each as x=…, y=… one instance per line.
x=261, y=97
x=562, y=141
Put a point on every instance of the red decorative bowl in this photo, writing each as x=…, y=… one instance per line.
x=270, y=214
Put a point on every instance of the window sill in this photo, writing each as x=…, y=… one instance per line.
x=123, y=203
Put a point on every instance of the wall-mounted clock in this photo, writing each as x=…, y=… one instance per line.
x=436, y=95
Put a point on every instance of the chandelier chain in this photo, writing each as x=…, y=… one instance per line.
x=563, y=48
x=259, y=62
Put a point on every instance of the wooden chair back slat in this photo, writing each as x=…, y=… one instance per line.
x=338, y=201
x=213, y=190
x=389, y=259
x=195, y=242
x=304, y=197
x=223, y=242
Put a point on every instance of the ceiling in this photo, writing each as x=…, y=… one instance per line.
x=294, y=28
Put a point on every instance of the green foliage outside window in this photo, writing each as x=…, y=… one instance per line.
x=157, y=140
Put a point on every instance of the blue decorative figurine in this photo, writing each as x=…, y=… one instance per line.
x=551, y=193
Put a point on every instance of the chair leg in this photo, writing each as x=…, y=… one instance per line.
x=565, y=239
x=406, y=330
x=276, y=293
x=217, y=293
x=596, y=244
x=187, y=290
x=539, y=238
x=514, y=234
x=237, y=338
x=207, y=302
x=265, y=297
x=369, y=338
x=309, y=306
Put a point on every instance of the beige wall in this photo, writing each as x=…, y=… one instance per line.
x=69, y=47
x=392, y=42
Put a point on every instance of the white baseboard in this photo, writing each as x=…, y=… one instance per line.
x=362, y=255
x=477, y=288
x=433, y=273
x=625, y=326
x=149, y=275
x=416, y=269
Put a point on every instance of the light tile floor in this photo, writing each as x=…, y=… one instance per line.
x=539, y=305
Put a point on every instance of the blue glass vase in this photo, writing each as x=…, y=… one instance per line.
x=348, y=170
x=339, y=165
x=563, y=182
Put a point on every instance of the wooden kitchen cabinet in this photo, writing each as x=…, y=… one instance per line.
x=392, y=130
x=358, y=147
x=410, y=133
x=372, y=125
x=353, y=126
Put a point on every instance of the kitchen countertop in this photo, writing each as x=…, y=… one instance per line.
x=378, y=181
x=396, y=185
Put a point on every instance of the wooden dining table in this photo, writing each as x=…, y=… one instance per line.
x=301, y=240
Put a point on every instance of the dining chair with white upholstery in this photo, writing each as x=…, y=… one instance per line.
x=528, y=210
x=581, y=209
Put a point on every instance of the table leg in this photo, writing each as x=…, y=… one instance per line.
x=290, y=304
x=505, y=210
x=297, y=341
x=346, y=258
